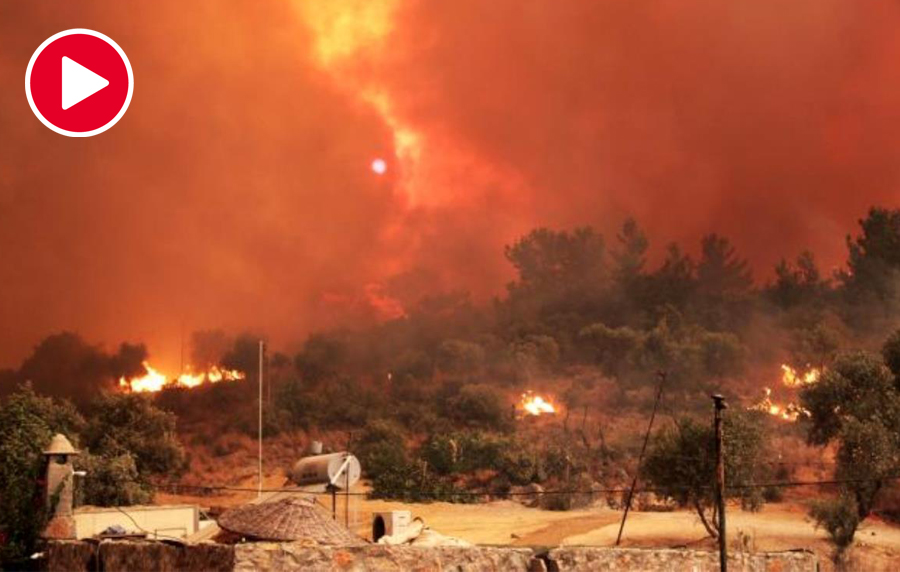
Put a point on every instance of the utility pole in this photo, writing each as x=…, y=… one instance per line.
x=720, y=406
x=261, y=350
x=347, y=483
x=659, y=390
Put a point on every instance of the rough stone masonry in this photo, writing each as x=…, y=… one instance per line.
x=137, y=556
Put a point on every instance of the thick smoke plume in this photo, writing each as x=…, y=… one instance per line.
x=237, y=191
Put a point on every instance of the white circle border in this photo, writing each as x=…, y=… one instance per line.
x=72, y=32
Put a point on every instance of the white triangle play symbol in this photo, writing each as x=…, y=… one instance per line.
x=78, y=83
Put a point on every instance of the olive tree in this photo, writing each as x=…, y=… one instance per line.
x=856, y=404
x=681, y=465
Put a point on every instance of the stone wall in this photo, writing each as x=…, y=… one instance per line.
x=662, y=560
x=378, y=558
x=135, y=556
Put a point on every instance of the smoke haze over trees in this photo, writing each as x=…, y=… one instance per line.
x=577, y=299
x=64, y=365
x=251, y=204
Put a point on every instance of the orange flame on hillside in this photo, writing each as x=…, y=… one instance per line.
x=536, y=405
x=790, y=412
x=791, y=378
x=153, y=380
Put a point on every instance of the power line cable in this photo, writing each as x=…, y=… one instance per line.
x=450, y=494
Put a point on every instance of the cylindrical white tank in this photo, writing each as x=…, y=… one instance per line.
x=322, y=469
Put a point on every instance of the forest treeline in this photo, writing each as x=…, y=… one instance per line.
x=578, y=299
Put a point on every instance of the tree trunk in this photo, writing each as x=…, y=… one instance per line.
x=709, y=528
x=865, y=500
x=603, y=448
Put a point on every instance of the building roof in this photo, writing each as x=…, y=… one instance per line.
x=212, y=530
x=289, y=519
x=59, y=445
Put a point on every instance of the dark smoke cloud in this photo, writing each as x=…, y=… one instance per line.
x=235, y=193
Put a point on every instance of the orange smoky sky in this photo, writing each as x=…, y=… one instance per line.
x=238, y=190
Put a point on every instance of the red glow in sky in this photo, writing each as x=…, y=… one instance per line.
x=224, y=199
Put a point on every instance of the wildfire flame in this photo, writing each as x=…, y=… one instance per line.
x=791, y=378
x=153, y=380
x=536, y=405
x=790, y=412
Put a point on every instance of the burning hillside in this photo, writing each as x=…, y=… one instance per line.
x=153, y=380
x=789, y=412
x=792, y=379
x=536, y=405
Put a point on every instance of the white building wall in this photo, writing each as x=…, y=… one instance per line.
x=163, y=521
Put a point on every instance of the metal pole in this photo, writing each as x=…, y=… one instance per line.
x=333, y=502
x=261, y=347
x=181, y=365
x=347, y=482
x=720, y=481
x=662, y=380
x=347, y=496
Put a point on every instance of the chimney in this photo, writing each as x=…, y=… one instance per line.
x=60, y=488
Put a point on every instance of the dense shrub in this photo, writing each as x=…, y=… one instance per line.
x=460, y=357
x=381, y=447
x=129, y=423
x=413, y=482
x=111, y=481
x=479, y=405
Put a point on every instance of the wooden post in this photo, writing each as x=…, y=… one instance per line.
x=720, y=406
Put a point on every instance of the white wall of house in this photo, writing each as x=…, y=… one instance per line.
x=162, y=521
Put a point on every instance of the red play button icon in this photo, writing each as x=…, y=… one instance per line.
x=79, y=83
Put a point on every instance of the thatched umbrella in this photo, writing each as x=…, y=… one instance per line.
x=289, y=519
